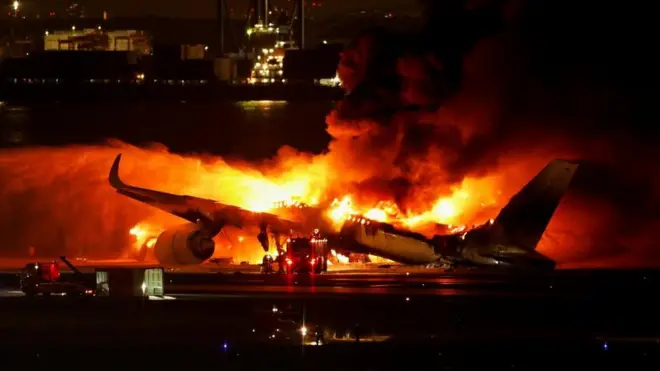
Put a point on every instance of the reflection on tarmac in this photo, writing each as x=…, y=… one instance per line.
x=301, y=290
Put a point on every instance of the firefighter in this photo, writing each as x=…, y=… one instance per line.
x=267, y=264
x=280, y=253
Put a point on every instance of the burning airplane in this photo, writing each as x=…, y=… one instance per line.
x=509, y=240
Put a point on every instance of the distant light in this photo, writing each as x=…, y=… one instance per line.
x=325, y=42
x=303, y=330
x=407, y=299
x=46, y=33
x=206, y=48
x=605, y=346
x=144, y=287
x=274, y=309
x=73, y=28
x=225, y=346
x=15, y=5
x=98, y=28
x=254, y=330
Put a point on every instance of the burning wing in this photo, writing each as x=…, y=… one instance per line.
x=211, y=215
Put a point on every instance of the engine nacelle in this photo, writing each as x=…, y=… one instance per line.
x=184, y=244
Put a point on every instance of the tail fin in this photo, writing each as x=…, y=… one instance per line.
x=524, y=219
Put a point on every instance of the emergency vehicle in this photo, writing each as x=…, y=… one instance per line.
x=45, y=279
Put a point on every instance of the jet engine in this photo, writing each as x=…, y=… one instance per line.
x=184, y=244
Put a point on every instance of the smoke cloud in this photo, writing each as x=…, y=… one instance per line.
x=501, y=87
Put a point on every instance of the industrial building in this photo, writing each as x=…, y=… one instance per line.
x=98, y=39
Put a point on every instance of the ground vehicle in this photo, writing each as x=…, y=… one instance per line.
x=44, y=279
x=306, y=255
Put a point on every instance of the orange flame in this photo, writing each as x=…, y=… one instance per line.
x=469, y=203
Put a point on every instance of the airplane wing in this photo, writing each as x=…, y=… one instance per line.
x=212, y=214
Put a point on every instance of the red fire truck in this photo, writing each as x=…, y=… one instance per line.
x=301, y=255
x=306, y=255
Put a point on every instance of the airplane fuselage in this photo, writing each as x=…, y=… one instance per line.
x=472, y=248
x=361, y=238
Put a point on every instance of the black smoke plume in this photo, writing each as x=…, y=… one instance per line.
x=504, y=86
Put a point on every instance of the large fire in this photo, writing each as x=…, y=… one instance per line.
x=443, y=135
x=472, y=201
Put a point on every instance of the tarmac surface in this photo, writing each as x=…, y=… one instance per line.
x=368, y=318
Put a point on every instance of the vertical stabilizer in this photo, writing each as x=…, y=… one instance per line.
x=524, y=219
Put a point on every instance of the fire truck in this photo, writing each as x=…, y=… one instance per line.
x=301, y=255
x=306, y=255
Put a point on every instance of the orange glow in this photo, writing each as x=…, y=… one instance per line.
x=469, y=203
x=145, y=234
x=74, y=181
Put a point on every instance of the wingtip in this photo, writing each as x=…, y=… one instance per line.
x=113, y=177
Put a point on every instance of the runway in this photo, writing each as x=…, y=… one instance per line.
x=405, y=312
